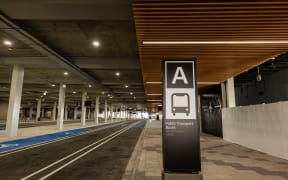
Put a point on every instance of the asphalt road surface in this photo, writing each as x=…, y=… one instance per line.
x=101, y=154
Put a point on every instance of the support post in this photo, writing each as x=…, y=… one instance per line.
x=54, y=111
x=38, y=111
x=66, y=113
x=223, y=95
x=105, y=111
x=97, y=110
x=231, y=93
x=61, y=105
x=75, y=113
x=83, y=109
x=14, y=101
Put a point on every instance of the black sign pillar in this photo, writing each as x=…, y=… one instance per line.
x=181, y=139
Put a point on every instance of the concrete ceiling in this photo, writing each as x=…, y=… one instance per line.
x=51, y=37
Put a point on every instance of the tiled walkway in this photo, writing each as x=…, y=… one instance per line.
x=221, y=160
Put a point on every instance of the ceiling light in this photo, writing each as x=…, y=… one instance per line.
x=154, y=94
x=211, y=42
x=96, y=43
x=89, y=85
x=153, y=100
x=111, y=97
x=74, y=92
x=117, y=73
x=131, y=93
x=208, y=83
x=108, y=95
x=64, y=85
x=103, y=92
x=156, y=82
x=45, y=93
x=159, y=105
x=66, y=73
x=134, y=97
x=7, y=43
x=126, y=86
x=53, y=85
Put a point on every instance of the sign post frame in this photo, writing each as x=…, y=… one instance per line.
x=180, y=125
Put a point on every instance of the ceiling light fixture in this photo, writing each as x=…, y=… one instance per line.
x=53, y=85
x=131, y=93
x=89, y=85
x=64, y=85
x=66, y=73
x=117, y=73
x=154, y=94
x=211, y=42
x=74, y=92
x=153, y=100
x=134, y=97
x=258, y=77
x=45, y=93
x=152, y=82
x=96, y=43
x=126, y=86
x=7, y=43
x=103, y=92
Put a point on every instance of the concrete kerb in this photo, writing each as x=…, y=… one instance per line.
x=133, y=164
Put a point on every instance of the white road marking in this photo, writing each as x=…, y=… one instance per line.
x=105, y=139
x=56, y=140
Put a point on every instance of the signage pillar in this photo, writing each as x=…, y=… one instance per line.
x=181, y=139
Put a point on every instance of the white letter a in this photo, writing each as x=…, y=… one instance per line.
x=179, y=75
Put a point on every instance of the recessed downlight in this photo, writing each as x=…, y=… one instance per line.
x=117, y=73
x=7, y=43
x=66, y=73
x=96, y=43
x=131, y=93
x=64, y=85
x=74, y=92
x=53, y=85
x=103, y=92
x=126, y=86
x=89, y=85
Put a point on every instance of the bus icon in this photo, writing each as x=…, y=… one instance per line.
x=180, y=103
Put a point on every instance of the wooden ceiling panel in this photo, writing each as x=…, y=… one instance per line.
x=209, y=20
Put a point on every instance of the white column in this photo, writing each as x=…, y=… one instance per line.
x=14, y=101
x=66, y=113
x=230, y=93
x=54, y=111
x=30, y=113
x=111, y=112
x=61, y=105
x=42, y=112
x=75, y=113
x=105, y=111
x=96, y=110
x=38, y=109
x=223, y=95
x=83, y=109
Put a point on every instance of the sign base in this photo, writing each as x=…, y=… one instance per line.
x=182, y=176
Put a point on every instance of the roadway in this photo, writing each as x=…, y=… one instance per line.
x=101, y=153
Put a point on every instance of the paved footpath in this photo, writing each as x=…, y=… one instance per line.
x=221, y=160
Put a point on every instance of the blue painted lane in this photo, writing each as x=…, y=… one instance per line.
x=21, y=143
x=1, y=128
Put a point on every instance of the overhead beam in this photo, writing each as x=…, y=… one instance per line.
x=11, y=28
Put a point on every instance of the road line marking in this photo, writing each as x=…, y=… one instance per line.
x=78, y=151
x=75, y=159
x=56, y=140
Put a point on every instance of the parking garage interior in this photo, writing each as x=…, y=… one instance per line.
x=81, y=90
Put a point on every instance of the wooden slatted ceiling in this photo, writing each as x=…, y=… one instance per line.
x=208, y=20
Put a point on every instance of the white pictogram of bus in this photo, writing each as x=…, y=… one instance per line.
x=180, y=103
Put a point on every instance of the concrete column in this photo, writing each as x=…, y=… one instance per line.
x=61, y=105
x=83, y=109
x=30, y=113
x=223, y=95
x=75, y=113
x=111, y=112
x=66, y=113
x=54, y=111
x=38, y=111
x=230, y=93
x=105, y=111
x=96, y=114
x=14, y=101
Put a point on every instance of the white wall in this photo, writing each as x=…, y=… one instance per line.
x=3, y=110
x=261, y=127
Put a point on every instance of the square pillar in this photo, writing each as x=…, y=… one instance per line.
x=96, y=114
x=83, y=109
x=54, y=111
x=75, y=113
x=61, y=105
x=105, y=111
x=38, y=111
x=230, y=93
x=14, y=101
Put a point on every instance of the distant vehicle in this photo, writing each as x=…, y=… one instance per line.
x=180, y=103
